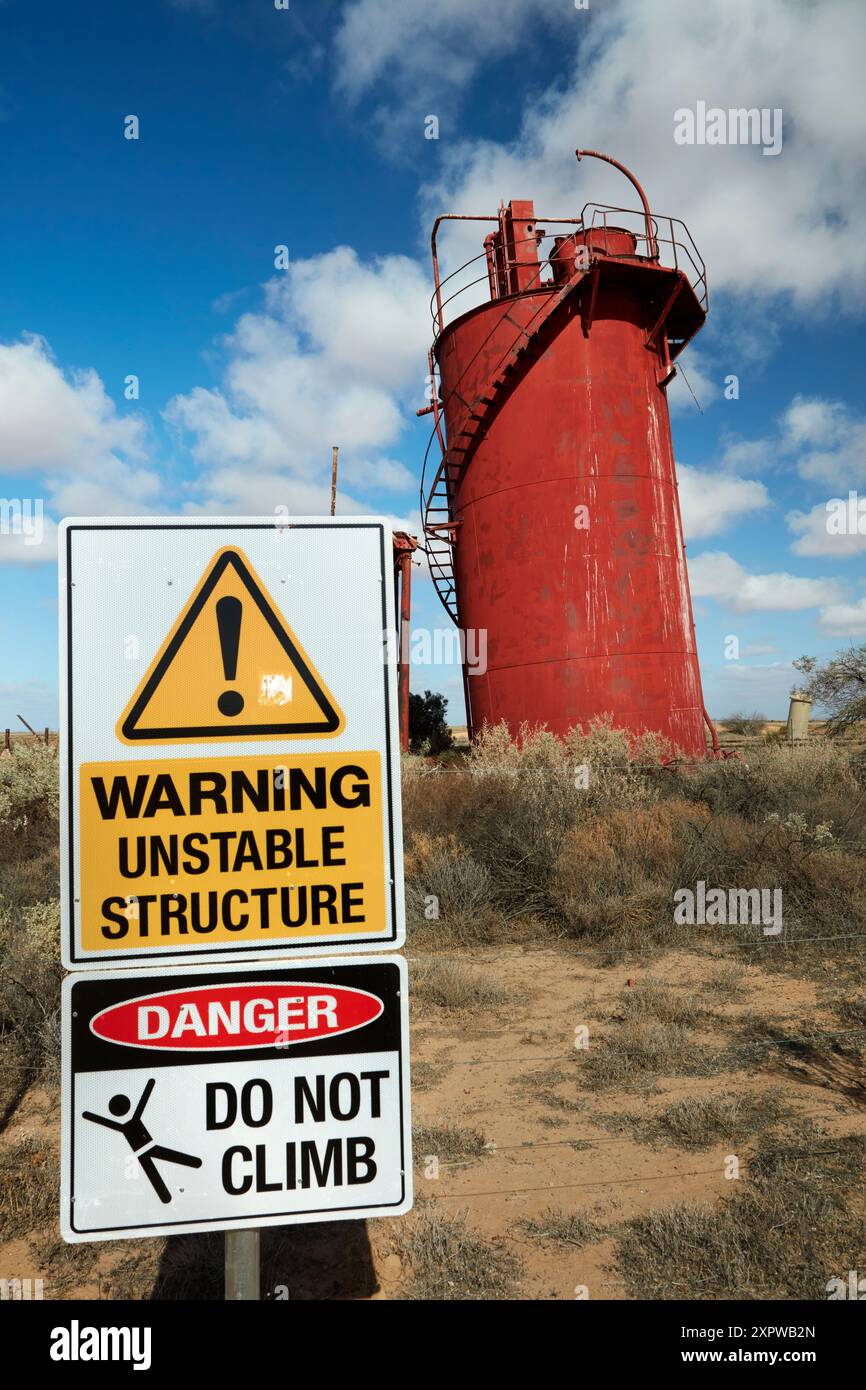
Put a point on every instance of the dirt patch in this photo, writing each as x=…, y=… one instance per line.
x=530, y=1184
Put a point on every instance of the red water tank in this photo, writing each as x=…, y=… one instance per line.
x=552, y=518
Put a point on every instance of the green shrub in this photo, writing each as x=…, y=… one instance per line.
x=29, y=799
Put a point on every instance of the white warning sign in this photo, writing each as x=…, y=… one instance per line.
x=229, y=735
x=198, y=1101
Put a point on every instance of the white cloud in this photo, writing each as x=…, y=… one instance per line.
x=718, y=575
x=846, y=620
x=748, y=453
x=789, y=224
x=763, y=687
x=337, y=356
x=61, y=430
x=829, y=440
x=823, y=440
x=711, y=502
x=409, y=49
x=815, y=539
x=55, y=424
x=260, y=491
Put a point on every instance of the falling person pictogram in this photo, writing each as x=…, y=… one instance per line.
x=140, y=1139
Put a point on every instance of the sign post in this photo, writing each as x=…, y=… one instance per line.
x=230, y=798
x=243, y=1265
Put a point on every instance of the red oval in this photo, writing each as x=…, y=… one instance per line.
x=212, y=1018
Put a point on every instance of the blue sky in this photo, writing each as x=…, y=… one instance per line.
x=305, y=127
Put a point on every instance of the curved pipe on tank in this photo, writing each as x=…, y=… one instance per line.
x=652, y=248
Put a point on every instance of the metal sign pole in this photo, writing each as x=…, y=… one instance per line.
x=335, y=454
x=242, y=1260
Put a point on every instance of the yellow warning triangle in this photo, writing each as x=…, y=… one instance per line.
x=230, y=667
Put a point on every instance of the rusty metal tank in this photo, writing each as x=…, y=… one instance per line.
x=552, y=518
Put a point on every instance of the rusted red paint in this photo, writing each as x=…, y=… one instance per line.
x=404, y=548
x=581, y=619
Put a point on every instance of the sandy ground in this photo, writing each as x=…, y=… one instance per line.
x=513, y=1073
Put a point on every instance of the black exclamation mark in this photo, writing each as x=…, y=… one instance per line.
x=228, y=611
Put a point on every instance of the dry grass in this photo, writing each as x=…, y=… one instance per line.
x=29, y=800
x=727, y=984
x=449, y=1261
x=700, y=1122
x=639, y=1053
x=507, y=842
x=793, y=1224
x=30, y=977
x=448, y=984
x=447, y=1142
x=29, y=1184
x=64, y=1268
x=511, y=836
x=563, y=1228
x=653, y=999
x=29, y=919
x=651, y=1037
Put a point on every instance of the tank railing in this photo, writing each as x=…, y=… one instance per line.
x=535, y=240
x=436, y=298
x=650, y=236
x=439, y=281
x=680, y=243
x=681, y=252
x=470, y=284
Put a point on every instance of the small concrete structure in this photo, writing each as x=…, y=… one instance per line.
x=799, y=714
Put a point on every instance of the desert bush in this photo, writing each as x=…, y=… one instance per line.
x=448, y=894
x=514, y=836
x=655, y=999
x=449, y=1143
x=29, y=1181
x=699, y=1122
x=511, y=804
x=29, y=799
x=34, y=879
x=814, y=779
x=747, y=724
x=621, y=867
x=823, y=887
x=563, y=1228
x=30, y=977
x=507, y=807
x=641, y=1050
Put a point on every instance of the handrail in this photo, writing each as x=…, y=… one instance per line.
x=473, y=217
x=684, y=243
x=593, y=215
